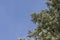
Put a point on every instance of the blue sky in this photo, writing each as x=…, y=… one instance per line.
x=15, y=17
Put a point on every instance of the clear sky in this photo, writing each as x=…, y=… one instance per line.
x=15, y=17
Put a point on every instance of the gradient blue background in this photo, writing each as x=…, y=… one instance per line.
x=15, y=17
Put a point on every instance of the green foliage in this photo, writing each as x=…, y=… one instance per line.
x=48, y=21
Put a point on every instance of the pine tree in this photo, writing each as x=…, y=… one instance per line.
x=48, y=21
